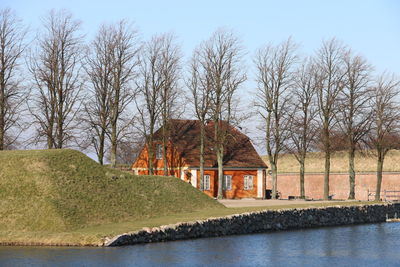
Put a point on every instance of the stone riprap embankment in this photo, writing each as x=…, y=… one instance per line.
x=260, y=222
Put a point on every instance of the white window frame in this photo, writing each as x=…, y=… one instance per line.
x=206, y=182
x=227, y=182
x=159, y=151
x=248, y=182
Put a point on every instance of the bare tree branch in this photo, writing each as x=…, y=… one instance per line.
x=12, y=93
x=302, y=118
x=96, y=112
x=220, y=58
x=171, y=70
x=199, y=85
x=354, y=114
x=385, y=126
x=329, y=63
x=275, y=66
x=124, y=60
x=55, y=67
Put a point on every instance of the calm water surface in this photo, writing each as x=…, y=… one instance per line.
x=364, y=245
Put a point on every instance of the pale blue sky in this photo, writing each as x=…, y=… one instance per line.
x=369, y=27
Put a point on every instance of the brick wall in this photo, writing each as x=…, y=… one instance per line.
x=288, y=184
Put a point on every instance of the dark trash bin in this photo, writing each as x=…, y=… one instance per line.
x=268, y=193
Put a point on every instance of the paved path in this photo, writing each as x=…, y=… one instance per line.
x=238, y=203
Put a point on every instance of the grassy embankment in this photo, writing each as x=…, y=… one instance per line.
x=315, y=162
x=63, y=197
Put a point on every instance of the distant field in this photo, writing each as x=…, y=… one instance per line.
x=315, y=162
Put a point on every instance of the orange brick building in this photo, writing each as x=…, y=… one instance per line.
x=244, y=170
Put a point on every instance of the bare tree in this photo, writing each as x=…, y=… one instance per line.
x=96, y=115
x=12, y=93
x=200, y=89
x=124, y=58
x=275, y=66
x=150, y=84
x=302, y=121
x=55, y=68
x=329, y=63
x=386, y=113
x=354, y=110
x=221, y=56
x=169, y=62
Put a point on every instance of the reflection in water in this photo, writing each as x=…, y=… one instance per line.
x=363, y=245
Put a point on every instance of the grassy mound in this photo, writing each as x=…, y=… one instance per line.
x=64, y=190
x=315, y=162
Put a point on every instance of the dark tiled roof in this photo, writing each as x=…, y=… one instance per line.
x=239, y=151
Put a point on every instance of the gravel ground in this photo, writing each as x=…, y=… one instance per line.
x=238, y=203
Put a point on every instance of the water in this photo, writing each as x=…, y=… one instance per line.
x=363, y=245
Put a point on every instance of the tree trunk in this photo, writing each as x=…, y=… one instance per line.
x=100, y=155
x=165, y=160
x=379, y=170
x=50, y=141
x=302, y=171
x=2, y=115
x=201, y=156
x=327, y=147
x=326, y=174
x=220, y=155
x=271, y=156
x=1, y=140
x=352, y=174
x=274, y=180
x=2, y=146
x=150, y=159
x=114, y=145
x=60, y=120
x=113, y=154
x=2, y=105
x=60, y=134
x=114, y=118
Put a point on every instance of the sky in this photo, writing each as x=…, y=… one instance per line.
x=371, y=28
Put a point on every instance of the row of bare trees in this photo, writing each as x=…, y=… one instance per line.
x=130, y=77
x=114, y=91
x=117, y=91
x=308, y=104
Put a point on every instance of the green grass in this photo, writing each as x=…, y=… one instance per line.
x=315, y=162
x=95, y=234
x=64, y=190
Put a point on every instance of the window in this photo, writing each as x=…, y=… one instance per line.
x=227, y=182
x=159, y=151
x=206, y=182
x=248, y=182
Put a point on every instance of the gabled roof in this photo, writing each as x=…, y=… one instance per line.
x=239, y=151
